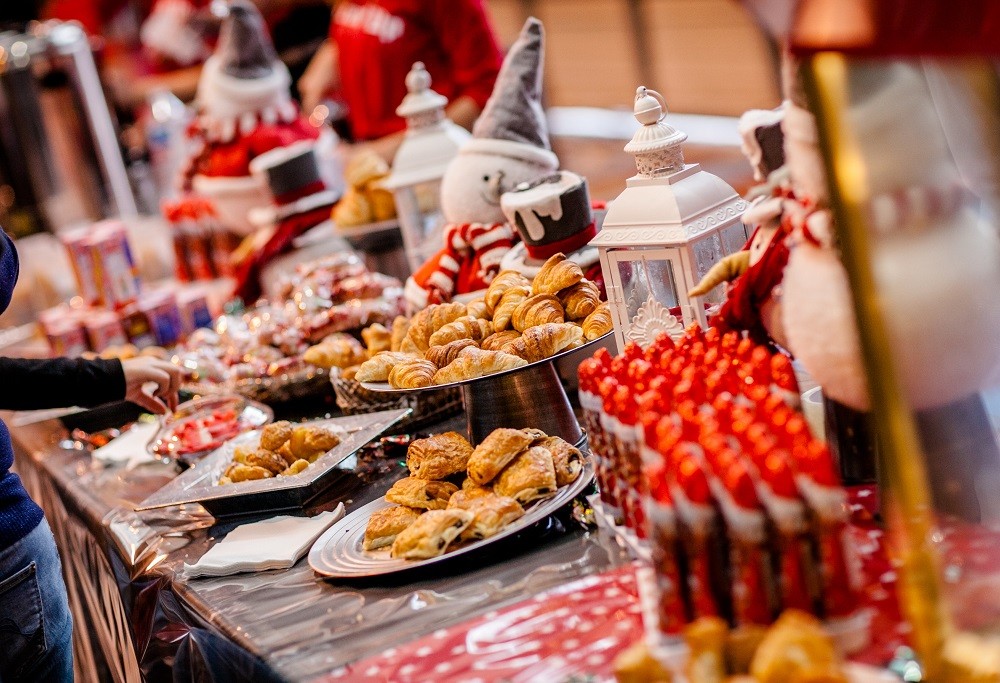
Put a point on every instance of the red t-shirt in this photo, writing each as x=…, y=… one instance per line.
x=380, y=40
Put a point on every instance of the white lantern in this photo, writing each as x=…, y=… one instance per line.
x=672, y=222
x=431, y=141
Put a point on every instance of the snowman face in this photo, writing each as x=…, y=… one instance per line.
x=473, y=183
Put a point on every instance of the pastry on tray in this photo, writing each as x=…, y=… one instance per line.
x=471, y=489
x=378, y=367
x=503, y=281
x=511, y=299
x=472, y=363
x=446, y=354
x=539, y=342
x=566, y=459
x=377, y=338
x=497, y=340
x=421, y=493
x=275, y=434
x=492, y=513
x=477, y=309
x=537, y=309
x=598, y=323
x=465, y=327
x=430, y=535
x=400, y=326
x=495, y=452
x=531, y=475
x=438, y=456
x=308, y=442
x=580, y=300
x=385, y=524
x=412, y=374
x=283, y=450
x=556, y=274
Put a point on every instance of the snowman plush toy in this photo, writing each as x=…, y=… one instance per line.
x=509, y=146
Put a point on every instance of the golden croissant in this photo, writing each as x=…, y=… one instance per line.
x=419, y=333
x=495, y=341
x=400, y=326
x=477, y=309
x=377, y=368
x=445, y=354
x=377, y=338
x=541, y=341
x=442, y=314
x=726, y=270
x=352, y=209
x=473, y=362
x=463, y=328
x=412, y=374
x=503, y=281
x=537, y=310
x=597, y=323
x=508, y=302
x=338, y=350
x=580, y=300
x=556, y=274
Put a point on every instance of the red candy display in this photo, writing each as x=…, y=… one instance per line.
x=699, y=447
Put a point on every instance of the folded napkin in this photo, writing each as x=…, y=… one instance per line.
x=275, y=543
x=130, y=446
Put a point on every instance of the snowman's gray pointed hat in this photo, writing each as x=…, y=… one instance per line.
x=513, y=122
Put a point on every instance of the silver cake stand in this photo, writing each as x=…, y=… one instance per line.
x=529, y=396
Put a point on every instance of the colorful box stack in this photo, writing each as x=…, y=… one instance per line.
x=699, y=448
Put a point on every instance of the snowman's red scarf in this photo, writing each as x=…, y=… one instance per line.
x=468, y=262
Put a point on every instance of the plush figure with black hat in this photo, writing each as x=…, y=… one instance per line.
x=509, y=146
x=244, y=110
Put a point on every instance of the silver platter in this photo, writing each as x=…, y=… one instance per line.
x=385, y=387
x=339, y=554
x=199, y=484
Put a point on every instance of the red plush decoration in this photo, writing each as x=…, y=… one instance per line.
x=468, y=262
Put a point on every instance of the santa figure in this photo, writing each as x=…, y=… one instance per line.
x=244, y=110
x=509, y=146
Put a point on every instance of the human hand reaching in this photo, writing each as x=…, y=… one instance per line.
x=152, y=371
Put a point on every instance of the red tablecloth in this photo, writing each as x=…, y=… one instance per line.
x=578, y=629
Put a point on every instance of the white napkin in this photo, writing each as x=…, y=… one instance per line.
x=130, y=446
x=275, y=543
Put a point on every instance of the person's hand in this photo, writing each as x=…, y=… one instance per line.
x=319, y=78
x=143, y=371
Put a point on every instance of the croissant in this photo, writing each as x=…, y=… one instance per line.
x=537, y=310
x=495, y=341
x=443, y=314
x=598, y=323
x=580, y=300
x=463, y=328
x=419, y=333
x=473, y=362
x=477, y=309
x=541, y=341
x=400, y=326
x=508, y=302
x=556, y=274
x=382, y=203
x=352, y=209
x=338, y=350
x=503, y=281
x=412, y=374
x=377, y=338
x=445, y=354
x=377, y=368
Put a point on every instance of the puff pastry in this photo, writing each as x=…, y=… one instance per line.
x=275, y=434
x=556, y=274
x=431, y=534
x=442, y=355
x=510, y=300
x=503, y=281
x=377, y=368
x=465, y=327
x=336, y=351
x=580, y=299
x=597, y=323
x=419, y=332
x=566, y=459
x=495, y=452
x=237, y=472
x=496, y=341
x=537, y=310
x=400, y=326
x=471, y=489
x=477, y=309
x=542, y=341
x=530, y=476
x=296, y=467
x=438, y=456
x=310, y=441
x=492, y=513
x=473, y=362
x=377, y=338
x=385, y=524
x=421, y=493
x=269, y=460
x=412, y=374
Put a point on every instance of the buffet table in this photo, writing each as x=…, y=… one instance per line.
x=139, y=617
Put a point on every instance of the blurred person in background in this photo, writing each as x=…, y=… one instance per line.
x=373, y=44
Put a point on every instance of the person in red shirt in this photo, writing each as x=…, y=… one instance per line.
x=374, y=43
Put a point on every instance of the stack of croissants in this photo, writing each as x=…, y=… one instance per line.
x=518, y=321
x=510, y=469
